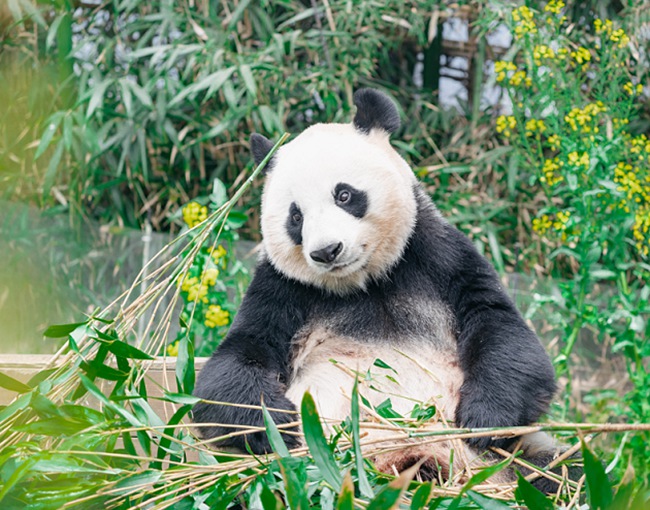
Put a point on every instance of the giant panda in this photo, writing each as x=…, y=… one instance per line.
x=358, y=265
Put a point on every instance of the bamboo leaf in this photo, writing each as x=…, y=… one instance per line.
x=43, y=406
x=127, y=100
x=212, y=82
x=97, y=97
x=141, y=94
x=17, y=405
x=531, y=496
x=180, y=398
x=98, y=369
x=166, y=440
x=269, y=500
x=52, y=31
x=238, y=13
x=11, y=384
x=52, y=125
x=599, y=490
x=421, y=496
x=346, y=496
x=54, y=427
x=62, y=330
x=121, y=349
x=52, y=167
x=272, y=432
x=486, y=473
x=389, y=497
x=317, y=443
x=23, y=468
x=364, y=485
x=249, y=80
x=185, y=373
x=218, y=80
x=295, y=483
x=486, y=503
x=95, y=391
x=136, y=482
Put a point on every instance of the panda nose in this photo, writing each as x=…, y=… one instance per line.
x=328, y=254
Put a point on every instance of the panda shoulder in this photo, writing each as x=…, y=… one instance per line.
x=439, y=242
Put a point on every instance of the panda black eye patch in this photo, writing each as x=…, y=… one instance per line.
x=294, y=224
x=351, y=200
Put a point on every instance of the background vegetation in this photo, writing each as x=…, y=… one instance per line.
x=134, y=114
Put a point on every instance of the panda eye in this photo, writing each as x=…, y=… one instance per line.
x=343, y=196
x=296, y=217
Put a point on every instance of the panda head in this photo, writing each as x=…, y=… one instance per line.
x=338, y=205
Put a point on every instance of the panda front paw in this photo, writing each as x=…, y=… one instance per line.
x=233, y=419
x=477, y=409
x=504, y=399
x=258, y=442
x=289, y=433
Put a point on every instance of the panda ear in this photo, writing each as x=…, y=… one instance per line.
x=260, y=147
x=375, y=110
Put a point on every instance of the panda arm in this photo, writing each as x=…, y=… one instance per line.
x=508, y=377
x=252, y=363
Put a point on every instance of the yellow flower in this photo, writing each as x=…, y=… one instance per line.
x=506, y=123
x=603, y=26
x=198, y=293
x=218, y=253
x=554, y=142
x=580, y=119
x=172, y=349
x=631, y=89
x=194, y=213
x=550, y=168
x=501, y=69
x=542, y=224
x=619, y=36
x=581, y=55
x=628, y=179
x=187, y=283
x=523, y=18
x=561, y=220
x=541, y=51
x=619, y=122
x=554, y=6
x=534, y=125
x=576, y=159
x=518, y=77
x=639, y=144
x=209, y=276
x=641, y=230
x=216, y=317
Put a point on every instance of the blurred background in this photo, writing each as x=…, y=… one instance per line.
x=123, y=122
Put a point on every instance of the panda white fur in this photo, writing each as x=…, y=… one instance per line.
x=359, y=265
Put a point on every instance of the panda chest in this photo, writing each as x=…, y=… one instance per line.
x=404, y=350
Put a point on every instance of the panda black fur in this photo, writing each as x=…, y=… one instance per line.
x=358, y=264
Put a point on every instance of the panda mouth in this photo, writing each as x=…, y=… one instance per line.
x=336, y=268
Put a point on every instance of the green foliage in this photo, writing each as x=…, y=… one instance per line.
x=571, y=130
x=159, y=112
x=214, y=284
